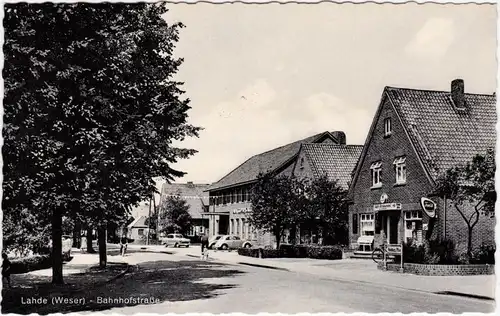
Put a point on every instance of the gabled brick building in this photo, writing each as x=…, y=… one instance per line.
x=230, y=196
x=415, y=136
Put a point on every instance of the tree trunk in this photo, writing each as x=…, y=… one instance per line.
x=77, y=234
x=57, y=269
x=278, y=238
x=101, y=238
x=90, y=248
x=469, y=242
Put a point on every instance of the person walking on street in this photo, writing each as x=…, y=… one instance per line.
x=204, y=246
x=83, y=243
x=6, y=267
x=123, y=245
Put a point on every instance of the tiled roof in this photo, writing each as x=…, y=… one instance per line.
x=138, y=223
x=444, y=136
x=265, y=162
x=194, y=195
x=336, y=161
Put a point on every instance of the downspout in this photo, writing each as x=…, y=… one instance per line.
x=444, y=216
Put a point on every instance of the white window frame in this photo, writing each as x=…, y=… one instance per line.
x=376, y=173
x=387, y=126
x=367, y=220
x=400, y=169
x=415, y=218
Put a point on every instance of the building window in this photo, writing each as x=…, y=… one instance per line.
x=413, y=226
x=367, y=223
x=140, y=232
x=237, y=232
x=376, y=170
x=232, y=226
x=387, y=127
x=301, y=163
x=400, y=168
x=238, y=196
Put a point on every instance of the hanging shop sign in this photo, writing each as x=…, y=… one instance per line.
x=429, y=206
x=386, y=207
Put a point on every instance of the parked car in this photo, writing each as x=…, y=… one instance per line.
x=175, y=240
x=231, y=242
x=213, y=240
x=67, y=244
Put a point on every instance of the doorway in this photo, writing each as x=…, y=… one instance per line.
x=392, y=229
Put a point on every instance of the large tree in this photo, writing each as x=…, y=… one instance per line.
x=327, y=208
x=90, y=111
x=174, y=216
x=277, y=201
x=471, y=190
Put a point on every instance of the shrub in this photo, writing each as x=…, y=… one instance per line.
x=444, y=250
x=324, y=252
x=293, y=251
x=270, y=253
x=248, y=252
x=484, y=255
x=31, y=263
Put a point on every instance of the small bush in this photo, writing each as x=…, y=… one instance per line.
x=248, y=252
x=484, y=255
x=444, y=250
x=324, y=252
x=293, y=251
x=31, y=263
x=270, y=253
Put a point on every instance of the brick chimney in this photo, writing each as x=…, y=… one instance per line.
x=340, y=136
x=458, y=93
x=190, y=184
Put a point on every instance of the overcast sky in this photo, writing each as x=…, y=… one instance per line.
x=262, y=76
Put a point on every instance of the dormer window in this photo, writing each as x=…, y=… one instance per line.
x=387, y=127
x=376, y=171
x=400, y=168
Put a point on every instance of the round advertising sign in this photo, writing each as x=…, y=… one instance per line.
x=429, y=206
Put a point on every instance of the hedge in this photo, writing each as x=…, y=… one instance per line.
x=295, y=251
x=30, y=263
x=254, y=252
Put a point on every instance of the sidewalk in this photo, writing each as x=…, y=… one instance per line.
x=365, y=271
x=80, y=274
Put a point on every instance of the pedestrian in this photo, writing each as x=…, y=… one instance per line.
x=123, y=245
x=83, y=243
x=204, y=246
x=6, y=268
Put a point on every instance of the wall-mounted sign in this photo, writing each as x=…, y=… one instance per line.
x=241, y=211
x=387, y=207
x=425, y=226
x=384, y=198
x=429, y=206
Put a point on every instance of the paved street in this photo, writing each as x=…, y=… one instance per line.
x=184, y=284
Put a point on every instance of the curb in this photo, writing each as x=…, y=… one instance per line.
x=479, y=297
x=263, y=266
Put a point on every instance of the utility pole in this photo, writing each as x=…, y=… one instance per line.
x=149, y=222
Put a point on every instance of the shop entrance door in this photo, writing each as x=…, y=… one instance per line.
x=392, y=229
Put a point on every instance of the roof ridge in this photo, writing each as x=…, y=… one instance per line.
x=312, y=137
x=431, y=90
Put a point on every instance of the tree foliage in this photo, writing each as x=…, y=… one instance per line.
x=471, y=189
x=174, y=216
x=328, y=209
x=277, y=202
x=90, y=110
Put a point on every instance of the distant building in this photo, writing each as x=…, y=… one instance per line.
x=415, y=136
x=230, y=196
x=138, y=230
x=197, y=200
